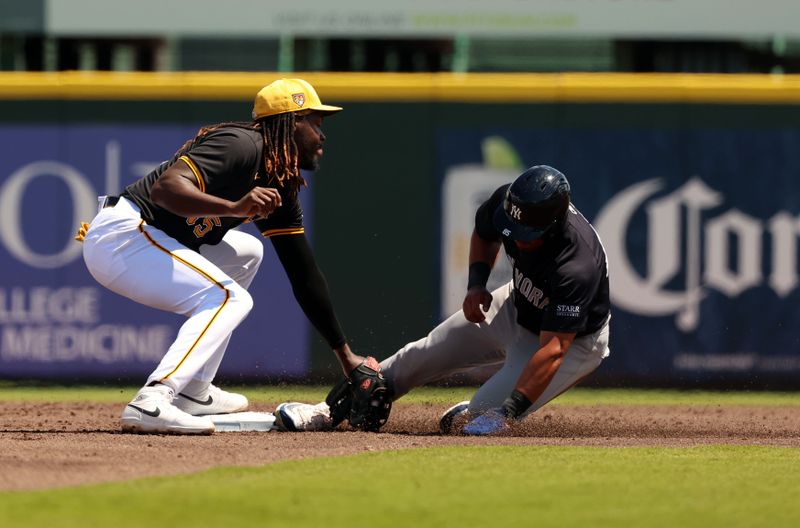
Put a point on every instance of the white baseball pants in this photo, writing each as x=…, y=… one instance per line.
x=146, y=265
x=457, y=345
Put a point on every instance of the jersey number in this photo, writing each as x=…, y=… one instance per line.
x=202, y=226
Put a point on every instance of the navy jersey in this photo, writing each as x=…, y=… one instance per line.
x=227, y=163
x=562, y=286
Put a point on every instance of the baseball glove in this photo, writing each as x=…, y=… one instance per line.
x=340, y=400
x=362, y=398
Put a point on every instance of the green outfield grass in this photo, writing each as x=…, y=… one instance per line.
x=11, y=391
x=463, y=486
x=455, y=486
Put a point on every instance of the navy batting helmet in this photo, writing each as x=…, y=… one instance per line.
x=536, y=202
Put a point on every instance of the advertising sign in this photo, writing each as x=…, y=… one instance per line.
x=700, y=228
x=55, y=320
x=415, y=18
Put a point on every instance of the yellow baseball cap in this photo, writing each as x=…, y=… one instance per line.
x=288, y=95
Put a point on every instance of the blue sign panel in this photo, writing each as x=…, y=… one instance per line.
x=55, y=320
x=700, y=228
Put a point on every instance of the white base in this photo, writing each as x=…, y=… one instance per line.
x=243, y=421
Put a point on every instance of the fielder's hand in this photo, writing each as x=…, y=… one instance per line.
x=476, y=303
x=260, y=201
x=492, y=421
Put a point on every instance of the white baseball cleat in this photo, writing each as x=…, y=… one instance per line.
x=454, y=418
x=202, y=398
x=296, y=416
x=151, y=411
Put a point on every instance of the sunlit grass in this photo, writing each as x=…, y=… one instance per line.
x=462, y=486
x=11, y=391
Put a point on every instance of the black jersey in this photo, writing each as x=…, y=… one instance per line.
x=227, y=163
x=563, y=285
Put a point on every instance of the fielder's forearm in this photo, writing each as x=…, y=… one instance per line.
x=176, y=192
x=347, y=358
x=309, y=287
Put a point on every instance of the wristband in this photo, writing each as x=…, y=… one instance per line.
x=516, y=404
x=478, y=274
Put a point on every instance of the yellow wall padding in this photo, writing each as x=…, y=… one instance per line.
x=412, y=87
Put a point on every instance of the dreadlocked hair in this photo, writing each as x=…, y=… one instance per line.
x=280, y=150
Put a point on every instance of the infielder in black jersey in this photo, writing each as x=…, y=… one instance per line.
x=547, y=328
x=168, y=242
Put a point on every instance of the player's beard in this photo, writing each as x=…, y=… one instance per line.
x=308, y=159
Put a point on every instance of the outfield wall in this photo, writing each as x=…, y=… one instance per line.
x=691, y=181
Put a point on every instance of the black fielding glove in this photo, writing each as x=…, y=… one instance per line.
x=340, y=399
x=371, y=398
x=363, y=398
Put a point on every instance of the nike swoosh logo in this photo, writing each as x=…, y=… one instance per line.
x=209, y=401
x=145, y=411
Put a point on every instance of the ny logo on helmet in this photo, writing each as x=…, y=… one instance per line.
x=515, y=212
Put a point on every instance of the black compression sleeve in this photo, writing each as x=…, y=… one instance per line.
x=309, y=286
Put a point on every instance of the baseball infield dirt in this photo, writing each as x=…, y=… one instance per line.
x=49, y=445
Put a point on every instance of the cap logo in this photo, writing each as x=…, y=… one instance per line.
x=515, y=212
x=299, y=99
